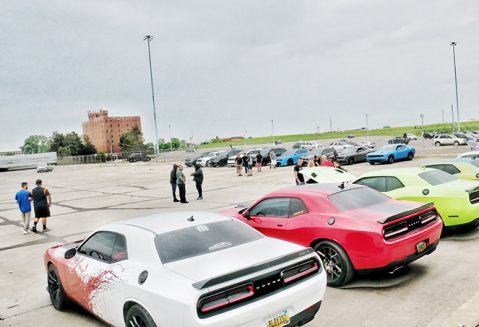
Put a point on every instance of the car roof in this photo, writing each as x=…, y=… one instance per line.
x=314, y=189
x=405, y=171
x=450, y=161
x=169, y=221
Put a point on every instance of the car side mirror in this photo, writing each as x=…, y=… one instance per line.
x=70, y=253
x=247, y=215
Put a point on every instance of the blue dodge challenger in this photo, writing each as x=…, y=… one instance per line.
x=390, y=153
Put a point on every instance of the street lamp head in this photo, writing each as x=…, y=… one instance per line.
x=453, y=44
x=148, y=37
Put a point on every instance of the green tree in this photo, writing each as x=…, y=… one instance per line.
x=88, y=147
x=35, y=144
x=132, y=140
x=57, y=141
x=74, y=142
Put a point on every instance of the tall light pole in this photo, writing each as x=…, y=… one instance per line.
x=272, y=130
x=453, y=45
x=367, y=128
x=422, y=129
x=452, y=115
x=171, y=144
x=148, y=39
x=330, y=125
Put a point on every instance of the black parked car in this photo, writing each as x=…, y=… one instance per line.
x=399, y=140
x=428, y=135
x=353, y=155
x=190, y=162
x=265, y=154
x=134, y=157
x=222, y=160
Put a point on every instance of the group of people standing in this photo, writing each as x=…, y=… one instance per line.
x=178, y=180
x=42, y=200
x=317, y=161
x=248, y=161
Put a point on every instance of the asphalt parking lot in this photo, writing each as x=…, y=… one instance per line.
x=428, y=293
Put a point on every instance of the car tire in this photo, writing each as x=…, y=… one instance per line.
x=55, y=289
x=290, y=162
x=351, y=161
x=371, y=162
x=410, y=156
x=138, y=316
x=437, y=143
x=339, y=269
x=390, y=159
x=456, y=143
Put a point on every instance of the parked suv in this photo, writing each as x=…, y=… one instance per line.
x=222, y=160
x=134, y=157
x=447, y=139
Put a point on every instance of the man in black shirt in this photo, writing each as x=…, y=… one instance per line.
x=245, y=162
x=259, y=162
x=298, y=177
x=42, y=200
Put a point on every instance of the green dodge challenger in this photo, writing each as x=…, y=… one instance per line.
x=456, y=200
x=462, y=168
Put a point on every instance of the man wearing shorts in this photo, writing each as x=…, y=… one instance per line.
x=23, y=199
x=239, y=164
x=272, y=156
x=42, y=200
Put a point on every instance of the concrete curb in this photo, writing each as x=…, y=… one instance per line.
x=466, y=316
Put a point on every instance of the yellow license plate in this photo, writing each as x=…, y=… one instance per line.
x=421, y=246
x=280, y=320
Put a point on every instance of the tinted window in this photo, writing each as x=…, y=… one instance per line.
x=436, y=177
x=357, y=198
x=296, y=207
x=377, y=183
x=99, y=246
x=475, y=162
x=392, y=183
x=202, y=239
x=119, y=252
x=274, y=207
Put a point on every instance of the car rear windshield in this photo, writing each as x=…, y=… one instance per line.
x=357, y=198
x=436, y=177
x=202, y=239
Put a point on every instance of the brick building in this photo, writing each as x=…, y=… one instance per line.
x=104, y=132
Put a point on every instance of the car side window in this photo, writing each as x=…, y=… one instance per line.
x=377, y=183
x=99, y=246
x=296, y=207
x=272, y=207
x=451, y=169
x=120, y=251
x=392, y=183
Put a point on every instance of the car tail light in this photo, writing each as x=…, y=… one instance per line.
x=225, y=298
x=299, y=271
x=428, y=217
x=410, y=224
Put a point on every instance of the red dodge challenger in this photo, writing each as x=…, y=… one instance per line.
x=353, y=228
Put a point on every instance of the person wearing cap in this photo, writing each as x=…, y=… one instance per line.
x=298, y=176
x=42, y=200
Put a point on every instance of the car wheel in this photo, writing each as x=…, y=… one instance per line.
x=371, y=162
x=437, y=143
x=55, y=289
x=456, y=143
x=351, y=161
x=410, y=156
x=339, y=269
x=290, y=162
x=390, y=159
x=137, y=316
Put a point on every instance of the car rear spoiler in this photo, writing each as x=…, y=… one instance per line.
x=473, y=189
x=425, y=206
x=246, y=271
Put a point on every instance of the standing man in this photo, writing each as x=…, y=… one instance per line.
x=180, y=181
x=325, y=161
x=239, y=164
x=245, y=163
x=272, y=156
x=298, y=176
x=173, y=182
x=23, y=199
x=42, y=200
x=198, y=179
x=259, y=161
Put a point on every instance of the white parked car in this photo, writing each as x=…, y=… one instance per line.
x=447, y=139
x=470, y=154
x=307, y=145
x=187, y=269
x=340, y=145
x=44, y=168
x=252, y=152
x=411, y=137
x=203, y=162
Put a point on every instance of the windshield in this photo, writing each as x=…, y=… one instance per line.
x=287, y=153
x=436, y=177
x=349, y=150
x=202, y=239
x=357, y=198
x=388, y=147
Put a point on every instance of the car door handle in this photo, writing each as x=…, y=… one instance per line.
x=279, y=225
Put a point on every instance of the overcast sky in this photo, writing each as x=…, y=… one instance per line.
x=227, y=67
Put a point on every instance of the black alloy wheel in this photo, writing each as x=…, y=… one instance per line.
x=290, y=162
x=410, y=156
x=137, y=316
x=390, y=159
x=55, y=289
x=339, y=269
x=351, y=161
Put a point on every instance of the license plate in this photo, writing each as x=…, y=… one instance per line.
x=279, y=320
x=421, y=246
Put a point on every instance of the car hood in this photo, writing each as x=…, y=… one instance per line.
x=228, y=260
x=379, y=152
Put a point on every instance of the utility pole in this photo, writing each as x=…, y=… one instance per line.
x=272, y=130
x=453, y=45
x=367, y=128
x=442, y=115
x=452, y=114
x=422, y=129
x=330, y=125
x=171, y=144
x=148, y=39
